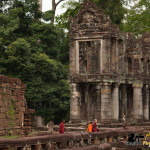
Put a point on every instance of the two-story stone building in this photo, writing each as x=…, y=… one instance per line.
x=109, y=69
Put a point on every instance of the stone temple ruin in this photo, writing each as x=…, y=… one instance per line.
x=109, y=70
x=15, y=118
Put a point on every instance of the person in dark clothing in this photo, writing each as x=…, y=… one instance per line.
x=94, y=126
x=61, y=127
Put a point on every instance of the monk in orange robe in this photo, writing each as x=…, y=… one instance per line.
x=89, y=129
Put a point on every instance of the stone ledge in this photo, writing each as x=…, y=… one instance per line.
x=85, y=140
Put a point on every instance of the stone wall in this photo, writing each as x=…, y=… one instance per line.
x=12, y=104
x=103, y=140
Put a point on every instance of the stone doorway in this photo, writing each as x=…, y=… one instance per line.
x=90, y=104
x=129, y=113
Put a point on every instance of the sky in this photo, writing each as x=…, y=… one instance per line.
x=47, y=5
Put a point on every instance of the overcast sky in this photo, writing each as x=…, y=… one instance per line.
x=47, y=5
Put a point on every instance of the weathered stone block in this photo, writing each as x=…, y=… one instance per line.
x=12, y=105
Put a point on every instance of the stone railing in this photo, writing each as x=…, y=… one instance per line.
x=103, y=140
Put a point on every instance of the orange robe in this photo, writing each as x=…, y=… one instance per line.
x=89, y=129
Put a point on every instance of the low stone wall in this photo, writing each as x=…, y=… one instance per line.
x=89, y=141
x=13, y=107
x=12, y=102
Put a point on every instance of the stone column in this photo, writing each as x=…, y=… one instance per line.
x=86, y=104
x=124, y=99
x=77, y=57
x=117, y=58
x=88, y=99
x=146, y=104
x=74, y=103
x=137, y=102
x=106, y=102
x=72, y=58
x=98, y=102
x=115, y=102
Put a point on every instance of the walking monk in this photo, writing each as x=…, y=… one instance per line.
x=61, y=127
x=94, y=126
x=89, y=129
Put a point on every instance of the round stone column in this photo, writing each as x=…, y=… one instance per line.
x=137, y=102
x=98, y=102
x=74, y=104
x=115, y=102
x=146, y=104
x=106, y=102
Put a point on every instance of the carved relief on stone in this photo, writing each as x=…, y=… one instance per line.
x=87, y=20
x=106, y=88
x=88, y=56
x=75, y=103
x=74, y=87
x=136, y=65
x=50, y=126
x=76, y=97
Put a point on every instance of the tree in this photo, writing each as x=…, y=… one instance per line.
x=115, y=9
x=54, y=6
x=137, y=20
x=72, y=9
x=32, y=51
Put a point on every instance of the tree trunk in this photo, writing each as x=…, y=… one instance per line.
x=54, y=5
x=54, y=10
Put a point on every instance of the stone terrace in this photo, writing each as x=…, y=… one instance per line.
x=104, y=140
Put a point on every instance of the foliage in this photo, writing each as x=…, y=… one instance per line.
x=38, y=53
x=115, y=9
x=48, y=15
x=72, y=9
x=35, y=52
x=11, y=111
x=138, y=18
